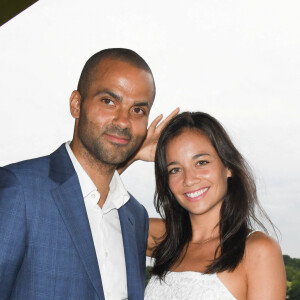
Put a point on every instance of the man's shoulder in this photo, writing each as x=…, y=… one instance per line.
x=7, y=178
x=134, y=201
x=135, y=204
x=35, y=167
x=31, y=166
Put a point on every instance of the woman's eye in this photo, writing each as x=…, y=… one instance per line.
x=202, y=162
x=174, y=171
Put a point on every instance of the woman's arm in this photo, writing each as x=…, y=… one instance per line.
x=156, y=233
x=265, y=268
x=146, y=152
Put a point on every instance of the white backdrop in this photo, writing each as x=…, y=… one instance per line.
x=237, y=60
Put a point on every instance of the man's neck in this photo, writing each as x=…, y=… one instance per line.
x=99, y=172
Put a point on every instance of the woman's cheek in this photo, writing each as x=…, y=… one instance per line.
x=207, y=173
x=174, y=181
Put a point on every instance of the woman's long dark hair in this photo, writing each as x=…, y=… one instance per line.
x=238, y=211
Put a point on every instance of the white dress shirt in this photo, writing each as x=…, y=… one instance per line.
x=106, y=230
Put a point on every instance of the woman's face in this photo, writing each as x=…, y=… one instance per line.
x=197, y=177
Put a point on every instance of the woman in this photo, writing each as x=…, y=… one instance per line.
x=208, y=248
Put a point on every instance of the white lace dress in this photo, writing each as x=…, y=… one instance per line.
x=187, y=286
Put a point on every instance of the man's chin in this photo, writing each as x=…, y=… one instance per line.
x=115, y=154
x=115, y=160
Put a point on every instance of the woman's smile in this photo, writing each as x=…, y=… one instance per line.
x=197, y=194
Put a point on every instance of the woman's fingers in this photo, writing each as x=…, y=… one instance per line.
x=163, y=124
x=155, y=123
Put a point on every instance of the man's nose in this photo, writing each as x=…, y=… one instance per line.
x=122, y=119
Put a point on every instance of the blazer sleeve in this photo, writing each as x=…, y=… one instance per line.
x=12, y=230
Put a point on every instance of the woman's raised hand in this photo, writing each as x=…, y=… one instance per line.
x=147, y=150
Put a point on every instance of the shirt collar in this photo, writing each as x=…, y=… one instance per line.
x=86, y=183
x=117, y=195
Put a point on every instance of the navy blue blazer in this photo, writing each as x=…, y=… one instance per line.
x=46, y=246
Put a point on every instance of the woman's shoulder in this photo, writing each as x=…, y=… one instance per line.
x=259, y=244
x=262, y=253
x=264, y=268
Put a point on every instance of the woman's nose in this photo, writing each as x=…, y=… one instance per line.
x=190, y=178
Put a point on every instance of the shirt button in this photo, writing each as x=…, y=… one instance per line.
x=93, y=196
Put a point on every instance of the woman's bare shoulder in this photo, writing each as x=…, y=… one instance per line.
x=264, y=268
x=259, y=245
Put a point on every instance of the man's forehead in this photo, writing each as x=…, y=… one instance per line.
x=111, y=65
x=114, y=69
x=109, y=62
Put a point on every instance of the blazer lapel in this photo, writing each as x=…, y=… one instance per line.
x=69, y=201
x=127, y=221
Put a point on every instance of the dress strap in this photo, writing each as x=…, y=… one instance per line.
x=252, y=232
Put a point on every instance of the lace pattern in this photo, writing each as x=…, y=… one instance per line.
x=187, y=286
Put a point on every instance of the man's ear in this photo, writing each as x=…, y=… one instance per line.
x=75, y=100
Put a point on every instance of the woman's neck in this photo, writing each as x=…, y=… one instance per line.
x=204, y=227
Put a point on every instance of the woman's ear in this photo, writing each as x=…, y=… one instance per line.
x=75, y=100
x=228, y=173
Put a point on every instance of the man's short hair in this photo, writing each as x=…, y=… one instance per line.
x=121, y=54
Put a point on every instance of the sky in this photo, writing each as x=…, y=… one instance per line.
x=236, y=60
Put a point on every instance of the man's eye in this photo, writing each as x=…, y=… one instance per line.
x=138, y=110
x=107, y=101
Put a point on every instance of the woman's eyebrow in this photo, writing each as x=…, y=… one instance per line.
x=194, y=157
x=200, y=154
x=172, y=163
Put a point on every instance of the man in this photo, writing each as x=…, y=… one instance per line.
x=68, y=227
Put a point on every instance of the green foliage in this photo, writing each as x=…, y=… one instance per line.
x=286, y=259
x=290, y=273
x=292, y=267
x=294, y=292
x=148, y=275
x=293, y=262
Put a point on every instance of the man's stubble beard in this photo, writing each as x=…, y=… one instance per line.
x=103, y=151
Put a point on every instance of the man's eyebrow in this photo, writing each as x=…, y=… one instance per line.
x=144, y=103
x=119, y=98
x=110, y=93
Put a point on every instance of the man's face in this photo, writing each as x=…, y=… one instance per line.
x=114, y=115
